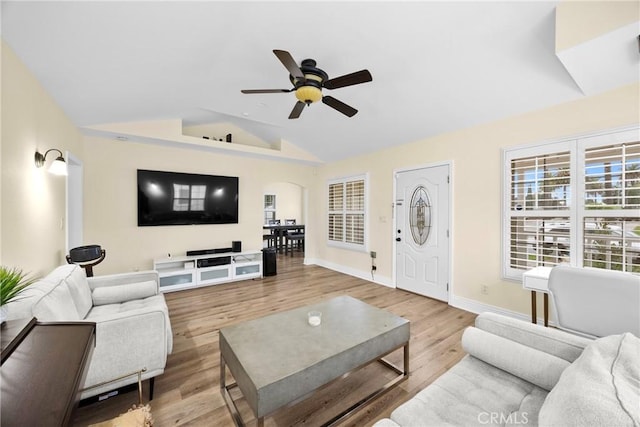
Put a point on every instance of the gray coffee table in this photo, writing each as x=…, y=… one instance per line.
x=279, y=359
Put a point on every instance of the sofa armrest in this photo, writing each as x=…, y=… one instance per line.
x=552, y=341
x=127, y=342
x=123, y=279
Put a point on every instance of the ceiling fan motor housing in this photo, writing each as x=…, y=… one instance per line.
x=309, y=90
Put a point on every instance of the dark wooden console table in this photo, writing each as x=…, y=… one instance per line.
x=43, y=367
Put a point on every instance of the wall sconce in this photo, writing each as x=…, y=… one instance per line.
x=58, y=166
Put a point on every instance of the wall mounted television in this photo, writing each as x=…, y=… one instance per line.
x=173, y=198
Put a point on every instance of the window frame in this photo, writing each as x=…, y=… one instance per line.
x=577, y=212
x=364, y=247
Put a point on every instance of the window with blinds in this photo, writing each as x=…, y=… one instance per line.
x=612, y=176
x=573, y=201
x=540, y=200
x=611, y=225
x=269, y=208
x=541, y=182
x=346, y=222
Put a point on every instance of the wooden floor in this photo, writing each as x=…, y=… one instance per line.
x=187, y=394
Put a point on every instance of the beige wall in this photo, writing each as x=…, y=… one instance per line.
x=476, y=154
x=581, y=21
x=33, y=201
x=289, y=203
x=111, y=201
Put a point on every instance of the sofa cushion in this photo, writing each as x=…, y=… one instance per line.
x=131, y=309
x=56, y=304
x=473, y=393
x=22, y=306
x=104, y=295
x=76, y=280
x=602, y=387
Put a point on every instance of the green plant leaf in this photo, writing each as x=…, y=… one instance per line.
x=12, y=282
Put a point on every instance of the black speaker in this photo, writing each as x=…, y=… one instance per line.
x=236, y=246
x=210, y=262
x=85, y=253
x=221, y=250
x=269, y=266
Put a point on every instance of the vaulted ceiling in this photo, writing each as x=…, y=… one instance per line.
x=436, y=66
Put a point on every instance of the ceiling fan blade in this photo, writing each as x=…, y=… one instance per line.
x=358, y=77
x=266, y=90
x=297, y=110
x=289, y=63
x=345, y=109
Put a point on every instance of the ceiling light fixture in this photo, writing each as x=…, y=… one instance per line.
x=58, y=166
x=308, y=94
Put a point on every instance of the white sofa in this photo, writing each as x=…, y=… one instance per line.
x=132, y=321
x=595, y=302
x=518, y=373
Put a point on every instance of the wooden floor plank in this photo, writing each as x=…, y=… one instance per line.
x=187, y=394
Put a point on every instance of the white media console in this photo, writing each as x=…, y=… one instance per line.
x=177, y=273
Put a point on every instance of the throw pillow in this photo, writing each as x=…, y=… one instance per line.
x=121, y=293
x=602, y=387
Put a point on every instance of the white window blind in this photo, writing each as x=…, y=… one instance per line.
x=611, y=225
x=612, y=176
x=540, y=201
x=574, y=201
x=346, y=223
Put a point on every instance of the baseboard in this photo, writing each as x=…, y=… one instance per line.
x=364, y=275
x=477, y=307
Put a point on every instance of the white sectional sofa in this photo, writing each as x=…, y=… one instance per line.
x=133, y=331
x=594, y=302
x=518, y=373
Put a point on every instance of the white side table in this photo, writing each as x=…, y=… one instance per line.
x=537, y=280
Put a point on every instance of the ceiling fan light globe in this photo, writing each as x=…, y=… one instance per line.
x=308, y=94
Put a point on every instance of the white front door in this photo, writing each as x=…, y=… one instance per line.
x=422, y=231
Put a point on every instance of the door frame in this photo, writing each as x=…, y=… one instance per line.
x=74, y=209
x=449, y=164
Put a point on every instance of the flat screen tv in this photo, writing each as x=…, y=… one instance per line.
x=172, y=198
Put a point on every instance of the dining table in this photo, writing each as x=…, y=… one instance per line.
x=279, y=230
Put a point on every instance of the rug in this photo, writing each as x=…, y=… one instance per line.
x=136, y=416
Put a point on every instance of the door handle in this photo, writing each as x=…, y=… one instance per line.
x=398, y=239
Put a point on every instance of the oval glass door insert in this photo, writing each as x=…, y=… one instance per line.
x=420, y=215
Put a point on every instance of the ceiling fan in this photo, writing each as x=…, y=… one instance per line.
x=308, y=82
